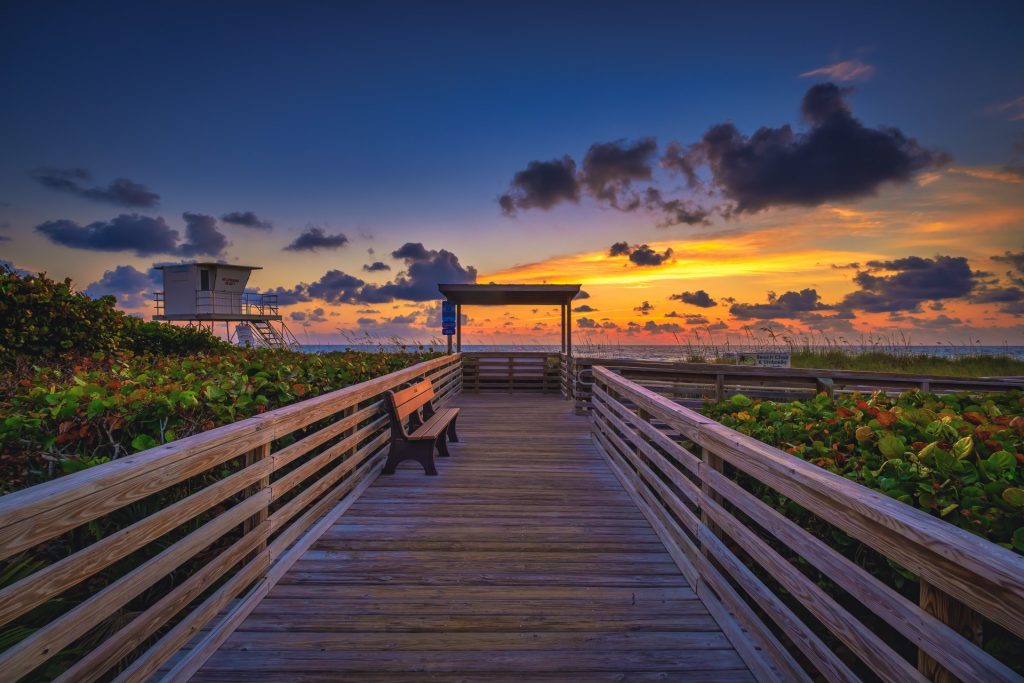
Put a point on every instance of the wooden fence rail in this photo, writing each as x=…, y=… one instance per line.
x=247, y=498
x=511, y=371
x=691, y=477
x=692, y=383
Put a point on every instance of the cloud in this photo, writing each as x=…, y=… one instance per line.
x=1012, y=109
x=696, y=320
x=122, y=192
x=142, y=235
x=202, y=236
x=542, y=185
x=913, y=281
x=246, y=219
x=610, y=168
x=620, y=249
x=336, y=286
x=675, y=211
x=641, y=254
x=314, y=239
x=290, y=296
x=425, y=270
x=837, y=158
x=700, y=298
x=658, y=328
x=376, y=266
x=997, y=295
x=411, y=251
x=584, y=308
x=1016, y=261
x=850, y=70
x=127, y=284
x=788, y=305
x=582, y=295
x=1014, y=175
x=586, y=323
x=645, y=308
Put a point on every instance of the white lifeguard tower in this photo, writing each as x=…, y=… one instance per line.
x=204, y=294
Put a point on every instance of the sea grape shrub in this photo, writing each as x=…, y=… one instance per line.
x=55, y=421
x=42, y=319
x=163, y=338
x=957, y=457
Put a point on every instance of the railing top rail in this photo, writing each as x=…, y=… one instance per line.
x=505, y=354
x=227, y=441
x=981, y=574
x=713, y=369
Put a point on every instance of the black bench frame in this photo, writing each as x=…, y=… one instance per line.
x=404, y=445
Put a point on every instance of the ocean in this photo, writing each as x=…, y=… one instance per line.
x=669, y=352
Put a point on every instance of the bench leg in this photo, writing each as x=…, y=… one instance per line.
x=442, y=445
x=420, y=451
x=452, y=435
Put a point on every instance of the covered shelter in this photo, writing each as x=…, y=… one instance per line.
x=513, y=295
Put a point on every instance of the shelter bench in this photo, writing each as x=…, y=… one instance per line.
x=425, y=432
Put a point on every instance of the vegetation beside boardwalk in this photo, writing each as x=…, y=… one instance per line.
x=82, y=383
x=970, y=365
x=958, y=457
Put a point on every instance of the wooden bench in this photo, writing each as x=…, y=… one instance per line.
x=427, y=431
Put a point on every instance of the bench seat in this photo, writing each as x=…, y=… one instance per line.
x=429, y=429
x=435, y=425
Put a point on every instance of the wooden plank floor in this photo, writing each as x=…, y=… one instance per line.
x=524, y=560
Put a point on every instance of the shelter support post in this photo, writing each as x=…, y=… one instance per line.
x=568, y=330
x=458, y=328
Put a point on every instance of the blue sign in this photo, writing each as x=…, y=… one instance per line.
x=447, y=317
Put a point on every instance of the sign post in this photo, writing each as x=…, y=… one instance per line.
x=448, y=321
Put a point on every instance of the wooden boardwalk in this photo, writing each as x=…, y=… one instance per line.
x=524, y=560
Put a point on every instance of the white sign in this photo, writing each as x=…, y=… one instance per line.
x=772, y=360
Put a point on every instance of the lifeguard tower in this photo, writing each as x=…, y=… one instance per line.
x=204, y=294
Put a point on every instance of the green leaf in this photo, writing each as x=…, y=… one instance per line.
x=740, y=401
x=963, y=448
x=1014, y=496
x=1000, y=464
x=143, y=442
x=891, y=446
x=1018, y=539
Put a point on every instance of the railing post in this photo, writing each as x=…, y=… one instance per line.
x=719, y=387
x=824, y=385
x=251, y=458
x=954, y=614
x=712, y=462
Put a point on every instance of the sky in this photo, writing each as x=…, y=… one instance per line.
x=709, y=172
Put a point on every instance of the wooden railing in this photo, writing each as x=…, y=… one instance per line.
x=511, y=371
x=693, y=383
x=795, y=607
x=205, y=526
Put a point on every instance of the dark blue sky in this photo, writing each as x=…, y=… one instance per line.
x=331, y=103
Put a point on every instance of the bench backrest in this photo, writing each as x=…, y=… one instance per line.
x=408, y=401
